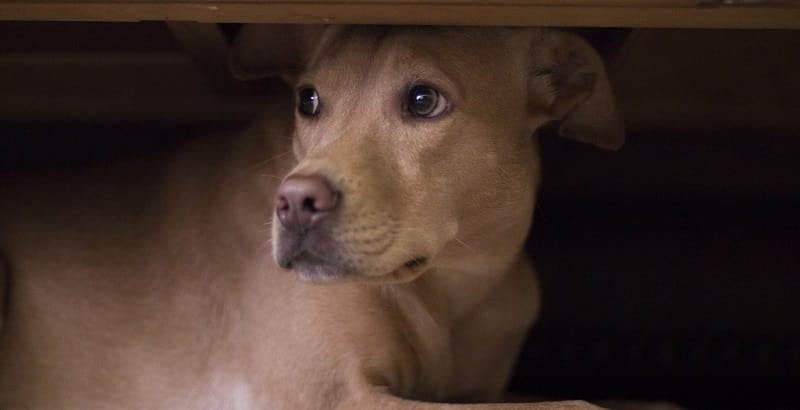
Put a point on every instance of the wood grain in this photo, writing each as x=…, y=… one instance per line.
x=572, y=13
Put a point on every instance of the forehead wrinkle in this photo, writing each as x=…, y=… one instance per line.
x=443, y=55
x=343, y=43
x=343, y=60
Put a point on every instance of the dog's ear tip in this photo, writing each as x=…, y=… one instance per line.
x=271, y=50
x=242, y=68
x=584, y=99
x=613, y=140
x=236, y=68
x=609, y=139
x=613, y=144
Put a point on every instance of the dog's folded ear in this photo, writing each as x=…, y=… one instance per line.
x=273, y=50
x=568, y=77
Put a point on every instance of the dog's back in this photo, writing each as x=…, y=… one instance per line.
x=121, y=277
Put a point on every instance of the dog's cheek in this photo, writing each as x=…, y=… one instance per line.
x=298, y=148
x=442, y=218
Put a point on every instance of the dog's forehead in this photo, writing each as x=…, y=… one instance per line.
x=370, y=51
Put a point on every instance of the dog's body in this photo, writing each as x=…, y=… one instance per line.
x=149, y=284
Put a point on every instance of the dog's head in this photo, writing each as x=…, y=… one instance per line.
x=415, y=145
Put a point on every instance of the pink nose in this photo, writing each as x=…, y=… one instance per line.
x=303, y=201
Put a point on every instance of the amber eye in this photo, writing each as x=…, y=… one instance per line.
x=425, y=101
x=308, y=104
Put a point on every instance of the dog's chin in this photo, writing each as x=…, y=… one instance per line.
x=317, y=258
x=312, y=269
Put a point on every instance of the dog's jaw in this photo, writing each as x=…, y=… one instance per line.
x=317, y=259
x=312, y=255
x=311, y=269
x=322, y=255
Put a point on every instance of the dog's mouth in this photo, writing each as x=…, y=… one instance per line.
x=320, y=254
x=410, y=270
x=311, y=268
x=315, y=269
x=316, y=260
x=416, y=263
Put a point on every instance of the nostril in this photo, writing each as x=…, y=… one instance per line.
x=309, y=204
x=283, y=203
x=324, y=200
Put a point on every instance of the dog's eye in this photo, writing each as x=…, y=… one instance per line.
x=424, y=101
x=309, y=102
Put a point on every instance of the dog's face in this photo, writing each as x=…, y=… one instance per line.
x=414, y=150
x=421, y=142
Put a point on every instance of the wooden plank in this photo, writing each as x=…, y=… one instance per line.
x=566, y=3
x=747, y=14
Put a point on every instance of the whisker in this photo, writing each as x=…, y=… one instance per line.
x=464, y=244
x=271, y=159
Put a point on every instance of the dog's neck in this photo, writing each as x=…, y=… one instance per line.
x=458, y=293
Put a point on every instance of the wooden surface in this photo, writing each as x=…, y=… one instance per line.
x=585, y=13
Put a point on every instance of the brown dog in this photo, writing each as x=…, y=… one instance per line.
x=149, y=284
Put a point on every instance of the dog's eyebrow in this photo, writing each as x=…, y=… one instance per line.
x=437, y=78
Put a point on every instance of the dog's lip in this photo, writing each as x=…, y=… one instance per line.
x=293, y=245
x=314, y=259
x=313, y=268
x=292, y=248
x=408, y=271
x=416, y=262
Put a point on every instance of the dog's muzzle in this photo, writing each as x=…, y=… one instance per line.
x=302, y=205
x=305, y=239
